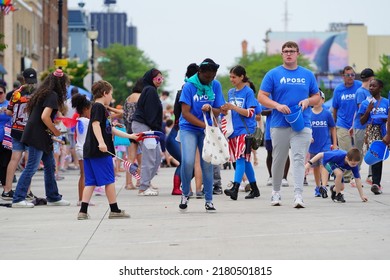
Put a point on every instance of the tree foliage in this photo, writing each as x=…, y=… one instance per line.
x=256, y=66
x=2, y=46
x=122, y=66
x=383, y=74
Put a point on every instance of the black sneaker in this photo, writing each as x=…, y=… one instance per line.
x=217, y=190
x=30, y=196
x=184, y=202
x=323, y=192
x=339, y=198
x=7, y=196
x=209, y=206
x=333, y=193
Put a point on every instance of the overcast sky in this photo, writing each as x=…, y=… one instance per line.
x=175, y=33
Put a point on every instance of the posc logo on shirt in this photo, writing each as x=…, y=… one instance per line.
x=285, y=80
x=203, y=98
x=350, y=96
x=319, y=123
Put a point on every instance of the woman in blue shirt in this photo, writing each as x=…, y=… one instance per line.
x=200, y=94
x=374, y=113
x=5, y=154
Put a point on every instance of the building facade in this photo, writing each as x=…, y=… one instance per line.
x=113, y=29
x=31, y=34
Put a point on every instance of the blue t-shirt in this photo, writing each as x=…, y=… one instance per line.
x=361, y=95
x=378, y=115
x=4, y=118
x=189, y=97
x=344, y=103
x=243, y=98
x=320, y=124
x=337, y=157
x=289, y=87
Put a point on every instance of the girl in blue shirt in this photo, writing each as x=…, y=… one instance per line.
x=243, y=104
x=374, y=113
x=201, y=93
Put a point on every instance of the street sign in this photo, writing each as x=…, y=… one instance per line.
x=60, y=62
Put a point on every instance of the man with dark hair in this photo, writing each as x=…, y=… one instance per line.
x=344, y=108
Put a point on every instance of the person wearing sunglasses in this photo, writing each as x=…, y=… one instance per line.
x=344, y=109
x=148, y=116
x=289, y=85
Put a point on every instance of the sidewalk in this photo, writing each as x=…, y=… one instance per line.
x=242, y=229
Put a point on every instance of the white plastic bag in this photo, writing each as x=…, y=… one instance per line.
x=227, y=124
x=215, y=147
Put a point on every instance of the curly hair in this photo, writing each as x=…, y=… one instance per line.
x=55, y=82
x=80, y=102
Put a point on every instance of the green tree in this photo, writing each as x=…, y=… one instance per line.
x=384, y=74
x=122, y=66
x=2, y=46
x=256, y=66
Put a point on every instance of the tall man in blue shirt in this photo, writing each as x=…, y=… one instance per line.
x=290, y=85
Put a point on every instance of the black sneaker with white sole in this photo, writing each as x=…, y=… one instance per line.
x=184, y=202
x=209, y=206
x=339, y=198
x=7, y=196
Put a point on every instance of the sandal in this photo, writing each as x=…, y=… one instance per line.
x=148, y=192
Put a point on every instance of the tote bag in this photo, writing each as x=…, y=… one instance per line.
x=215, y=147
x=227, y=124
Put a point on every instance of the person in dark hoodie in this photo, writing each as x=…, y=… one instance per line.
x=148, y=116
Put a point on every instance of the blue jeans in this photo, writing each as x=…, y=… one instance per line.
x=189, y=141
x=34, y=158
x=173, y=148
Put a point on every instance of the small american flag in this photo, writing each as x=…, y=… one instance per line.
x=132, y=168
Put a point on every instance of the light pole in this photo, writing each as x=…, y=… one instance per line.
x=60, y=4
x=92, y=35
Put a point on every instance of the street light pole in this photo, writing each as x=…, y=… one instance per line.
x=92, y=35
x=60, y=3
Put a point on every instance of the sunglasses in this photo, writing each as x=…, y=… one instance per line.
x=1, y=92
x=158, y=79
x=349, y=75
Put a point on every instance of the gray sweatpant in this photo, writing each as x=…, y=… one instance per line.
x=151, y=158
x=284, y=138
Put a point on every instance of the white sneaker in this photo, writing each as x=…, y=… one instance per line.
x=269, y=181
x=22, y=204
x=298, y=201
x=61, y=202
x=275, y=199
x=285, y=183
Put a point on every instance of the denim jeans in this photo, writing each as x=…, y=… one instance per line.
x=189, y=141
x=173, y=148
x=34, y=158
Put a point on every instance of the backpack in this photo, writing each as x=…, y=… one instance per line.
x=18, y=105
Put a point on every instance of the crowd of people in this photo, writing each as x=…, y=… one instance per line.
x=158, y=132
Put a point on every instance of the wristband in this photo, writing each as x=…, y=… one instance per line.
x=309, y=162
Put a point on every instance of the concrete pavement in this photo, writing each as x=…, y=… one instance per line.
x=242, y=229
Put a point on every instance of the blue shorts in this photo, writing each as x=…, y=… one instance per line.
x=18, y=146
x=330, y=167
x=99, y=171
